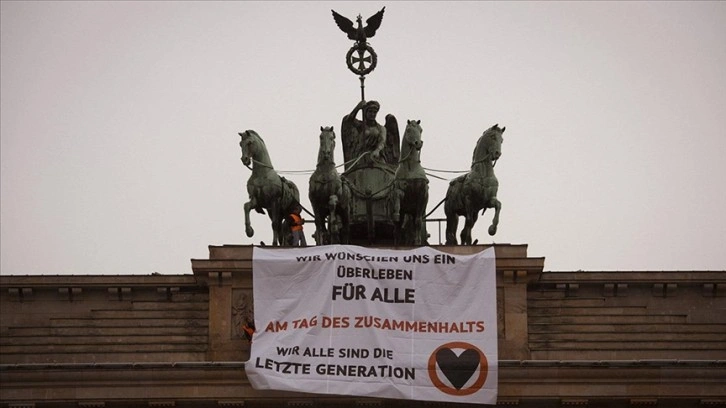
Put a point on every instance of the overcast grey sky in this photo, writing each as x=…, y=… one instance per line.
x=119, y=121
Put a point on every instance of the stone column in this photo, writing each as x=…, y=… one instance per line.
x=220, y=304
x=512, y=313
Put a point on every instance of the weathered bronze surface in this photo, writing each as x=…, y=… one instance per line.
x=410, y=192
x=371, y=153
x=476, y=190
x=381, y=197
x=266, y=189
x=361, y=58
x=367, y=141
x=329, y=195
x=359, y=34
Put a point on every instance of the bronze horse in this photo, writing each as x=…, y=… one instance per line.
x=266, y=189
x=329, y=194
x=410, y=193
x=476, y=190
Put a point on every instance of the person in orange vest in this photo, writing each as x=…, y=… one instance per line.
x=249, y=331
x=298, y=236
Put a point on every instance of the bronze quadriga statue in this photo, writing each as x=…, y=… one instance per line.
x=329, y=194
x=381, y=197
x=267, y=190
x=410, y=190
x=371, y=152
x=476, y=190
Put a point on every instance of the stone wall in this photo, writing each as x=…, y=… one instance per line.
x=610, y=339
x=97, y=319
x=627, y=316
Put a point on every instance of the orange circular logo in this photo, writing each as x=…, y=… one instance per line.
x=458, y=370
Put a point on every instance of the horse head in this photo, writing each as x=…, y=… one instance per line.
x=253, y=148
x=411, y=138
x=327, y=145
x=489, y=146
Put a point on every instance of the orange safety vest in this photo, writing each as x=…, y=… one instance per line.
x=296, y=222
x=249, y=331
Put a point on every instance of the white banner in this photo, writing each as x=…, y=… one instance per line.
x=414, y=324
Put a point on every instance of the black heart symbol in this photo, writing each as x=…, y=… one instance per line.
x=457, y=369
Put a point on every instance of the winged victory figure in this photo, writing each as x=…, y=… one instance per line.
x=359, y=34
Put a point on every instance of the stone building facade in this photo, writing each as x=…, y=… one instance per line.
x=566, y=339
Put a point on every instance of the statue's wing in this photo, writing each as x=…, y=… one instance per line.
x=393, y=140
x=373, y=23
x=345, y=24
x=346, y=139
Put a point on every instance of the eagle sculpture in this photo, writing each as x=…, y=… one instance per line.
x=359, y=34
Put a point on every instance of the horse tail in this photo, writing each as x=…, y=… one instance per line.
x=290, y=195
x=454, y=195
x=291, y=198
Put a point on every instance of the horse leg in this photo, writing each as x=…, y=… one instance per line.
x=320, y=230
x=420, y=224
x=248, y=226
x=319, y=235
x=465, y=235
x=396, y=204
x=416, y=230
x=276, y=221
x=344, y=212
x=395, y=211
x=495, y=221
x=452, y=222
x=338, y=209
x=316, y=213
x=421, y=232
x=470, y=219
x=405, y=229
x=452, y=200
x=345, y=225
x=334, y=220
x=468, y=225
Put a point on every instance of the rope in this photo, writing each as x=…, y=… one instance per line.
x=437, y=206
x=435, y=176
x=384, y=188
x=354, y=189
x=357, y=192
x=355, y=161
x=306, y=210
x=303, y=171
x=293, y=172
x=407, y=156
x=446, y=171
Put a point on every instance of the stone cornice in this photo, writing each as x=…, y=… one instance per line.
x=237, y=261
x=53, y=281
x=523, y=380
x=634, y=277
